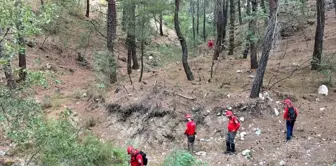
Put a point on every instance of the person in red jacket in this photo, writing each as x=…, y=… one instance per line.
x=290, y=116
x=210, y=44
x=190, y=132
x=136, y=157
x=233, y=126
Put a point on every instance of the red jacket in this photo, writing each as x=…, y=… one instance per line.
x=286, y=114
x=233, y=124
x=210, y=43
x=191, y=128
x=136, y=160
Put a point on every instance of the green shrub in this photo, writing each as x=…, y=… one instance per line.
x=182, y=158
x=104, y=65
x=52, y=142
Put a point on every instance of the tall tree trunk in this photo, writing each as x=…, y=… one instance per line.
x=232, y=27
x=267, y=46
x=263, y=6
x=183, y=43
x=87, y=8
x=124, y=18
x=160, y=21
x=111, y=24
x=239, y=13
x=22, y=45
x=254, y=58
x=219, y=21
x=225, y=21
x=248, y=36
x=204, y=20
x=319, y=33
x=11, y=83
x=132, y=37
x=335, y=5
x=42, y=4
x=198, y=16
x=192, y=5
x=111, y=35
x=129, y=53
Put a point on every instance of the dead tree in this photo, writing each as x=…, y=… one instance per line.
x=267, y=46
x=318, y=46
x=183, y=42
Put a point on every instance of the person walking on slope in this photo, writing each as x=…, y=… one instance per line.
x=138, y=158
x=290, y=116
x=190, y=132
x=233, y=126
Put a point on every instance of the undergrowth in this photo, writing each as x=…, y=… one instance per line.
x=182, y=158
x=52, y=142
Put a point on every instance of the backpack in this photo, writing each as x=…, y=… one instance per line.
x=144, y=158
x=292, y=115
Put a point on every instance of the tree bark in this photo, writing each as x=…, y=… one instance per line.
x=42, y=4
x=225, y=21
x=132, y=32
x=219, y=23
x=319, y=33
x=263, y=6
x=192, y=5
x=22, y=47
x=267, y=46
x=248, y=36
x=232, y=27
x=111, y=36
x=239, y=13
x=204, y=20
x=111, y=24
x=11, y=83
x=334, y=5
x=198, y=16
x=129, y=54
x=160, y=20
x=183, y=43
x=254, y=58
x=124, y=18
x=87, y=8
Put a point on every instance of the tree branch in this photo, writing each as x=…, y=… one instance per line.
x=5, y=35
x=290, y=74
x=95, y=27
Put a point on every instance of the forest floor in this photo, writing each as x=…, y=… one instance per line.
x=150, y=114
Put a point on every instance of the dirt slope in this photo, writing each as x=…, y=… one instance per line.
x=150, y=114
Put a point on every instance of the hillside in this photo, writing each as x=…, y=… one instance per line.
x=150, y=114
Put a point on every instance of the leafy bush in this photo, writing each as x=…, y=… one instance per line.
x=328, y=68
x=105, y=65
x=182, y=158
x=52, y=142
x=59, y=143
